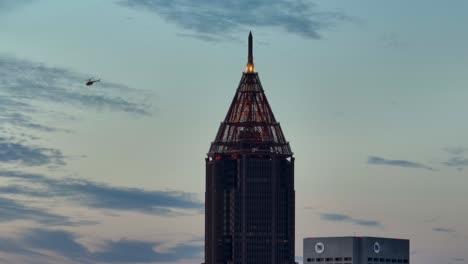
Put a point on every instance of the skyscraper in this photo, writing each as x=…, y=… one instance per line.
x=249, y=198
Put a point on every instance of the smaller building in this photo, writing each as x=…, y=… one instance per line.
x=355, y=250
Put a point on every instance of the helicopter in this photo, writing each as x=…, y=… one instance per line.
x=91, y=82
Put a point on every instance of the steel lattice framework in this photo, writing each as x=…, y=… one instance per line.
x=250, y=125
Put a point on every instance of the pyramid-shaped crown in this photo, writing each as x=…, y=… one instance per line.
x=250, y=126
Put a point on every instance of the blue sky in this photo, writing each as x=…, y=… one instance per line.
x=370, y=94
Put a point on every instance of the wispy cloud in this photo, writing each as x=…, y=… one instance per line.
x=99, y=195
x=215, y=20
x=65, y=244
x=456, y=151
x=11, y=152
x=24, y=82
x=131, y=251
x=204, y=37
x=450, y=232
x=11, y=210
x=10, y=246
x=443, y=230
x=456, y=162
x=335, y=217
x=54, y=240
x=26, y=87
x=457, y=159
x=346, y=218
x=18, y=114
x=374, y=160
x=370, y=223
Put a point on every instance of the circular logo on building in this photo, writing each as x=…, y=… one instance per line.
x=319, y=247
x=376, y=247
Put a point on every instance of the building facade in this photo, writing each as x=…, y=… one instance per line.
x=249, y=198
x=355, y=250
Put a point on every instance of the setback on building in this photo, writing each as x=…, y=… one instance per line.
x=355, y=250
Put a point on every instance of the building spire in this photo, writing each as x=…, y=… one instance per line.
x=250, y=64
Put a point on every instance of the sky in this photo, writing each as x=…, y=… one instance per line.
x=371, y=95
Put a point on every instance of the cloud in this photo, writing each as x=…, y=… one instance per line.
x=370, y=223
x=18, y=114
x=442, y=229
x=214, y=20
x=64, y=243
x=131, y=251
x=457, y=160
x=103, y=196
x=312, y=207
x=450, y=232
x=28, y=155
x=335, y=217
x=24, y=82
x=27, y=88
x=204, y=37
x=455, y=151
x=11, y=210
x=458, y=259
x=54, y=240
x=346, y=218
x=7, y=245
x=374, y=160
